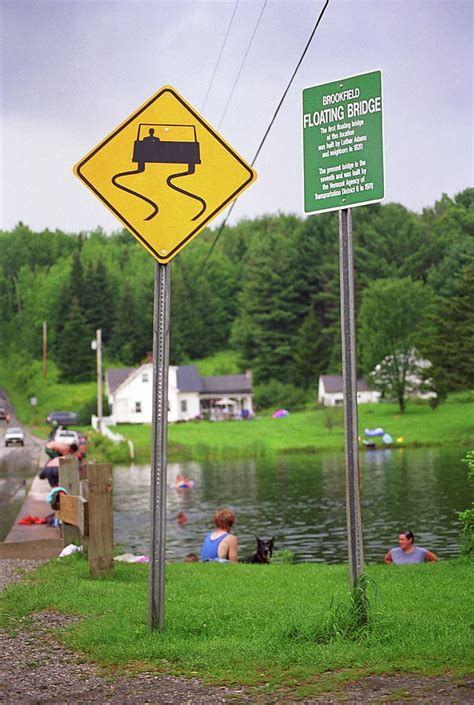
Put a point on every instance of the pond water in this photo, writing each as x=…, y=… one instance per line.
x=300, y=499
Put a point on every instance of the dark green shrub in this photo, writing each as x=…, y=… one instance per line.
x=467, y=517
x=89, y=408
x=275, y=394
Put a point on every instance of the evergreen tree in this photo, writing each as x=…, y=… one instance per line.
x=316, y=274
x=264, y=328
x=450, y=347
x=125, y=340
x=75, y=358
x=73, y=289
x=97, y=300
x=309, y=353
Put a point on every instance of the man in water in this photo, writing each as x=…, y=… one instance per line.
x=408, y=552
x=220, y=545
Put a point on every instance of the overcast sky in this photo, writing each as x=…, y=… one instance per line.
x=72, y=70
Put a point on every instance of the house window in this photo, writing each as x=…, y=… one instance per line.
x=145, y=377
x=138, y=407
x=184, y=405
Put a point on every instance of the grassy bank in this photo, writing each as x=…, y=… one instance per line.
x=281, y=625
x=452, y=424
x=311, y=430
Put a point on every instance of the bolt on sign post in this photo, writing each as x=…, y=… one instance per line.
x=165, y=173
x=343, y=167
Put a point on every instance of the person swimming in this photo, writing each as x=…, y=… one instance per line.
x=183, y=483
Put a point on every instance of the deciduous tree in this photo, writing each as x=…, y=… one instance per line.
x=391, y=321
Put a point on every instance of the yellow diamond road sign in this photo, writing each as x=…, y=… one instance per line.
x=165, y=173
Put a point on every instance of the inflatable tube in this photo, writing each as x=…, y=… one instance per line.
x=374, y=431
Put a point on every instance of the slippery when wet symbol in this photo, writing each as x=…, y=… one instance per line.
x=165, y=173
x=164, y=144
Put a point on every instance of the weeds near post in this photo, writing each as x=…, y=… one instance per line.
x=352, y=620
x=359, y=605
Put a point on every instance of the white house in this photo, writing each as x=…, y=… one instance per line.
x=417, y=383
x=190, y=396
x=330, y=391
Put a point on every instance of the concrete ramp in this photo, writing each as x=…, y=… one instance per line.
x=35, y=504
x=32, y=550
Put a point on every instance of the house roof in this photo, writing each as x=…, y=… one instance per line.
x=187, y=378
x=114, y=377
x=226, y=384
x=333, y=384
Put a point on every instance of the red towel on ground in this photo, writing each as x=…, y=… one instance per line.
x=32, y=520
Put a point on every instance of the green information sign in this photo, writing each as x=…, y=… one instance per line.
x=343, y=143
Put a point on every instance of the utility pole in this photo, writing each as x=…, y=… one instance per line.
x=45, y=339
x=98, y=340
x=97, y=346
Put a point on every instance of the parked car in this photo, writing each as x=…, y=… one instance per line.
x=64, y=435
x=3, y=413
x=14, y=436
x=62, y=418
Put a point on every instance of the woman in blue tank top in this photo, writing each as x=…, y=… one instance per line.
x=220, y=544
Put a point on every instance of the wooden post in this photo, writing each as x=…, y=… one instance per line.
x=101, y=525
x=69, y=479
x=84, y=512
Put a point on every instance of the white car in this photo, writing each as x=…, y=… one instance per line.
x=14, y=436
x=64, y=435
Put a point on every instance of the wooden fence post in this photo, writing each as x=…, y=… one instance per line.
x=101, y=524
x=69, y=479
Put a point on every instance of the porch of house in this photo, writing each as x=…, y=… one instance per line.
x=219, y=408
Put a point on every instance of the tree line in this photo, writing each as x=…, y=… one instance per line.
x=269, y=290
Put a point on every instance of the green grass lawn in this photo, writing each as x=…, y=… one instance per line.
x=450, y=424
x=281, y=625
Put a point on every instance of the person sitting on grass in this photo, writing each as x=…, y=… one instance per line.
x=219, y=545
x=408, y=552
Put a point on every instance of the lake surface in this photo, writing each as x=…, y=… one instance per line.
x=300, y=499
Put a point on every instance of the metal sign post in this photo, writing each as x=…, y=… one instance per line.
x=343, y=167
x=349, y=373
x=134, y=171
x=161, y=335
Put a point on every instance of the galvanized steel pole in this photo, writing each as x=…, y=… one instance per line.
x=349, y=373
x=100, y=413
x=161, y=329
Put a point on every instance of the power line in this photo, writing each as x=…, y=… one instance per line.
x=242, y=64
x=220, y=56
x=320, y=17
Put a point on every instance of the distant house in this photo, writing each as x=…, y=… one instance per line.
x=417, y=383
x=330, y=391
x=190, y=396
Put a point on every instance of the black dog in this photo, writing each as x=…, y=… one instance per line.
x=264, y=551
